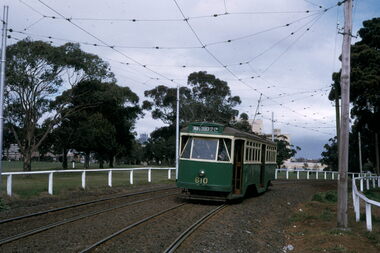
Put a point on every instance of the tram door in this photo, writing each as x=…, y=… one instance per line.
x=238, y=166
x=262, y=166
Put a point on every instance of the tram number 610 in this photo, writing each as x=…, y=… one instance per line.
x=200, y=180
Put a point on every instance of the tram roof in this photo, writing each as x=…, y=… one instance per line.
x=220, y=129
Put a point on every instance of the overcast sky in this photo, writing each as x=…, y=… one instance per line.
x=286, y=50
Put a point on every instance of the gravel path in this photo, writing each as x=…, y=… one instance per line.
x=254, y=225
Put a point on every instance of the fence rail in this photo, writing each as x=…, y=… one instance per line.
x=51, y=173
x=334, y=175
x=358, y=195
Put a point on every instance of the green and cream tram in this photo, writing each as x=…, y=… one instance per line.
x=219, y=162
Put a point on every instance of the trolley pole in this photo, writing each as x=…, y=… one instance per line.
x=2, y=81
x=345, y=117
x=177, y=137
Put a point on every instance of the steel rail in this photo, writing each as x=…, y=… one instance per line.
x=81, y=204
x=72, y=219
x=178, y=241
x=93, y=246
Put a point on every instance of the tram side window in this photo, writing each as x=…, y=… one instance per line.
x=186, y=146
x=224, y=150
x=204, y=149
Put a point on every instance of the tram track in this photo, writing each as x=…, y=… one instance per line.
x=174, y=245
x=182, y=237
x=75, y=218
x=81, y=204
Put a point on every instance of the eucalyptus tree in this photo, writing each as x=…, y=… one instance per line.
x=36, y=73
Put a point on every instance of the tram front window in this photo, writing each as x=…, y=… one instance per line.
x=204, y=149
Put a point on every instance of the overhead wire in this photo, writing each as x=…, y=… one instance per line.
x=105, y=43
x=225, y=67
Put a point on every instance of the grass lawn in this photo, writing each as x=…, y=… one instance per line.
x=34, y=185
x=312, y=228
x=373, y=194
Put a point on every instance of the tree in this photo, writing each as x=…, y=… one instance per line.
x=330, y=155
x=284, y=150
x=106, y=122
x=206, y=98
x=365, y=87
x=243, y=123
x=35, y=72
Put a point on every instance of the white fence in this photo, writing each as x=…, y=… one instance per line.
x=334, y=175
x=51, y=173
x=357, y=195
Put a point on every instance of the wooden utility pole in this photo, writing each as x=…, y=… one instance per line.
x=345, y=117
x=2, y=82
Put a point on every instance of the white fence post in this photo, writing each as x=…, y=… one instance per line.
x=9, y=185
x=308, y=174
x=357, y=208
x=316, y=175
x=368, y=216
x=131, y=177
x=169, y=173
x=298, y=175
x=325, y=175
x=275, y=174
x=373, y=183
x=84, y=179
x=50, y=186
x=378, y=182
x=361, y=185
x=110, y=178
x=332, y=175
x=367, y=183
x=149, y=175
x=287, y=174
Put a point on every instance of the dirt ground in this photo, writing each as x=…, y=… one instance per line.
x=269, y=222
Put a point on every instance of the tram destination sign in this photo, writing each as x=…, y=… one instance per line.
x=211, y=129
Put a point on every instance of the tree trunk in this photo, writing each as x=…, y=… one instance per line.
x=87, y=160
x=377, y=153
x=27, y=161
x=64, y=159
x=112, y=157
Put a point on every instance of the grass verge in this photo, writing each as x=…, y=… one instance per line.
x=312, y=228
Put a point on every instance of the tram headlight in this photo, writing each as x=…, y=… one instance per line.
x=202, y=173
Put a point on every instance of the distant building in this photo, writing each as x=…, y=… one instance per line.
x=257, y=126
x=303, y=165
x=13, y=152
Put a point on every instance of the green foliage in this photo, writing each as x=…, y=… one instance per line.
x=330, y=155
x=35, y=72
x=206, y=98
x=3, y=205
x=105, y=122
x=364, y=94
x=284, y=149
x=325, y=197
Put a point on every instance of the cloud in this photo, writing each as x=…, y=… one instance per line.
x=292, y=65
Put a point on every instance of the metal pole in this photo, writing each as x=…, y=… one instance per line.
x=272, y=127
x=360, y=154
x=342, y=221
x=177, y=137
x=2, y=82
